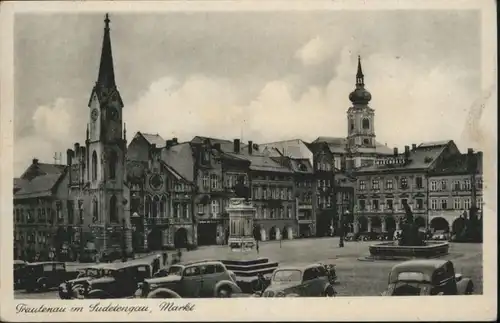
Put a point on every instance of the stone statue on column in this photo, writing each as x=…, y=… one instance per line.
x=241, y=190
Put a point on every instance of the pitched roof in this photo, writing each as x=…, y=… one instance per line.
x=338, y=145
x=226, y=145
x=153, y=139
x=39, y=186
x=458, y=164
x=295, y=148
x=421, y=158
x=180, y=158
x=260, y=162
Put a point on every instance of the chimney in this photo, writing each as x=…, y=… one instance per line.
x=407, y=153
x=413, y=146
x=69, y=156
x=396, y=151
x=82, y=152
x=471, y=160
x=470, y=151
x=168, y=144
x=174, y=141
x=236, y=146
x=250, y=147
x=35, y=161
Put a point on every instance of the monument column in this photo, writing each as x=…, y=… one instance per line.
x=369, y=224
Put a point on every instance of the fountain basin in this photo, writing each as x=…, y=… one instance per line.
x=392, y=251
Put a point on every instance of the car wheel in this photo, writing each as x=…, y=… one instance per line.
x=77, y=292
x=42, y=286
x=330, y=292
x=224, y=292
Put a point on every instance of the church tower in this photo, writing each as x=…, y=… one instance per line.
x=360, y=117
x=106, y=146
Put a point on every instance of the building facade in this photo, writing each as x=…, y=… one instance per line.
x=454, y=186
x=384, y=187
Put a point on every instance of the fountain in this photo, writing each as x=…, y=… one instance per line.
x=411, y=244
x=242, y=257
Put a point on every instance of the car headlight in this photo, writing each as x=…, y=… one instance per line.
x=140, y=285
x=153, y=286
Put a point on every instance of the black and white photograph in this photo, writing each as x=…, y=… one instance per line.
x=156, y=158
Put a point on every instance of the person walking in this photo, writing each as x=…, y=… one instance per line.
x=165, y=259
x=179, y=254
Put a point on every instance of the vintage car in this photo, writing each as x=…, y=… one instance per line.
x=427, y=277
x=117, y=280
x=74, y=288
x=191, y=280
x=300, y=281
x=368, y=236
x=41, y=276
x=19, y=269
x=440, y=235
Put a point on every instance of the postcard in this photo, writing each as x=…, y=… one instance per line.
x=248, y=160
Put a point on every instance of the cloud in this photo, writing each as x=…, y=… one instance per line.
x=412, y=102
x=314, y=52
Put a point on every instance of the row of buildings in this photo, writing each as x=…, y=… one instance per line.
x=154, y=192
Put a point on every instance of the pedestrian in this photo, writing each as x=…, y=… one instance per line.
x=156, y=264
x=179, y=254
x=257, y=246
x=165, y=258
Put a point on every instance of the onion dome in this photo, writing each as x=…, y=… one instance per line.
x=360, y=95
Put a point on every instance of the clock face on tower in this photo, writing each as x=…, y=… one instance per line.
x=94, y=114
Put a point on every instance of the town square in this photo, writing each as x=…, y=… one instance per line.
x=125, y=212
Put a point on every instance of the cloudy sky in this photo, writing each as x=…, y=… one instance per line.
x=265, y=76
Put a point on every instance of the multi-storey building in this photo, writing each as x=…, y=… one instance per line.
x=161, y=198
x=453, y=187
x=384, y=187
x=40, y=196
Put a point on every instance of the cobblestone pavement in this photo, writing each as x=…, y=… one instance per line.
x=356, y=278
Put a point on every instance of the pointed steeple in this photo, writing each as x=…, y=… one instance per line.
x=360, y=78
x=106, y=78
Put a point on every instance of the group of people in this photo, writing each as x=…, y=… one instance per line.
x=176, y=258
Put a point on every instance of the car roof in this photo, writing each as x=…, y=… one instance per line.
x=424, y=265
x=300, y=267
x=45, y=263
x=199, y=262
x=20, y=262
x=120, y=265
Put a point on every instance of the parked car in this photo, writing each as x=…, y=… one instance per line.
x=368, y=236
x=427, y=277
x=118, y=280
x=440, y=235
x=74, y=288
x=191, y=280
x=19, y=269
x=41, y=276
x=300, y=281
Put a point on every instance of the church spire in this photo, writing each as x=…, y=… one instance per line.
x=106, y=78
x=360, y=78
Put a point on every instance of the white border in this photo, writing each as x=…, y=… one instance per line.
x=476, y=308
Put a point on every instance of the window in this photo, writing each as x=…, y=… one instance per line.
x=444, y=184
x=95, y=211
x=186, y=211
x=213, y=181
x=375, y=185
x=362, y=185
x=177, y=210
x=290, y=194
x=362, y=205
x=467, y=203
x=113, y=161
x=456, y=185
x=479, y=202
x=389, y=204
x=289, y=212
x=388, y=184
x=404, y=182
x=420, y=204
x=154, y=208
x=403, y=203
x=467, y=185
x=201, y=208
x=163, y=204
x=147, y=206
x=419, y=182
x=192, y=271
x=94, y=166
x=444, y=204
x=113, y=209
x=310, y=274
x=205, y=180
x=283, y=194
x=59, y=213
x=282, y=212
x=215, y=207
x=375, y=205
x=264, y=213
x=457, y=205
x=479, y=182
x=433, y=185
x=366, y=124
x=433, y=204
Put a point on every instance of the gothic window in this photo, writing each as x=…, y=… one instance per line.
x=147, y=205
x=186, y=211
x=163, y=203
x=95, y=211
x=94, y=166
x=156, y=201
x=113, y=159
x=113, y=209
x=366, y=124
x=366, y=141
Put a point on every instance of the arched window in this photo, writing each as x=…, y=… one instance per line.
x=147, y=205
x=156, y=202
x=113, y=209
x=163, y=203
x=95, y=210
x=366, y=124
x=113, y=159
x=94, y=166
